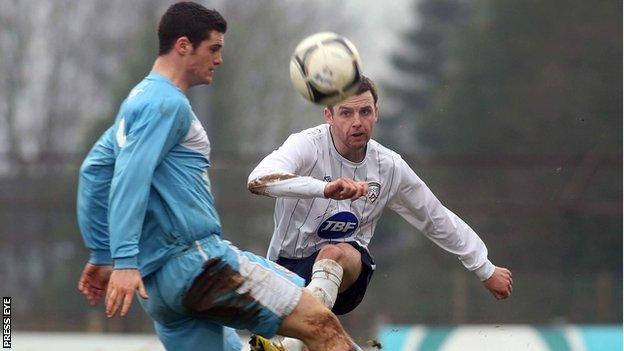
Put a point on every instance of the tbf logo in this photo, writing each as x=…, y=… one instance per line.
x=334, y=226
x=339, y=225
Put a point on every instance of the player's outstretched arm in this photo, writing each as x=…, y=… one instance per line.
x=345, y=188
x=500, y=284
x=121, y=287
x=93, y=281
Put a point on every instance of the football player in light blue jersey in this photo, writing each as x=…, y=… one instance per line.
x=95, y=178
x=164, y=232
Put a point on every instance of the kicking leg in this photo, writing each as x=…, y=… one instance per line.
x=316, y=326
x=246, y=291
x=336, y=268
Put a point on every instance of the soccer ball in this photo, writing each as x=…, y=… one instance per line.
x=325, y=68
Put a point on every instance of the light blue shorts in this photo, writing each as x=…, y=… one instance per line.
x=214, y=284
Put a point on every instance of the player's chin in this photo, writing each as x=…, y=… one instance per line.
x=359, y=142
x=208, y=77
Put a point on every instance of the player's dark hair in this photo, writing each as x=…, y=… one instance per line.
x=188, y=19
x=366, y=84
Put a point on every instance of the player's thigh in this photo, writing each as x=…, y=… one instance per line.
x=242, y=290
x=192, y=334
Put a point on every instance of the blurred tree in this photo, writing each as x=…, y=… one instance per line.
x=533, y=89
x=533, y=78
x=56, y=78
x=422, y=65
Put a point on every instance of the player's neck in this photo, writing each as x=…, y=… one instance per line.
x=166, y=67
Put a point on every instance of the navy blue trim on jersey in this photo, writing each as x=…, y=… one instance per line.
x=349, y=299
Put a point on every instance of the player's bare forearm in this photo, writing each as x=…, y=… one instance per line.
x=120, y=293
x=500, y=284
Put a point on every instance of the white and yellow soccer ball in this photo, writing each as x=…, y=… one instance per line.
x=325, y=68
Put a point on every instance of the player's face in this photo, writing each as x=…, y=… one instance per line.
x=352, y=121
x=203, y=59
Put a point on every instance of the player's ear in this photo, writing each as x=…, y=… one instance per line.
x=183, y=46
x=327, y=113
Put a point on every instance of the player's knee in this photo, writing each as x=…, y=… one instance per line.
x=342, y=253
x=332, y=252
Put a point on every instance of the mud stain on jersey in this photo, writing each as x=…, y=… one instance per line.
x=259, y=185
x=213, y=295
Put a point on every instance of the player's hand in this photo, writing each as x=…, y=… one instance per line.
x=121, y=287
x=93, y=281
x=500, y=284
x=345, y=188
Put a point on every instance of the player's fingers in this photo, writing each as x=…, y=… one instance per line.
x=333, y=189
x=350, y=193
x=126, y=303
x=142, y=291
x=340, y=188
x=111, y=297
x=359, y=192
x=347, y=184
x=347, y=192
x=119, y=298
x=109, y=292
x=500, y=293
x=507, y=290
x=83, y=283
x=363, y=188
x=89, y=292
x=95, y=296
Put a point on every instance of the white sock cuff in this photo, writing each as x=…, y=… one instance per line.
x=328, y=269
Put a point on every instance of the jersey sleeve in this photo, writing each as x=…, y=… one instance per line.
x=94, y=181
x=419, y=206
x=151, y=134
x=280, y=173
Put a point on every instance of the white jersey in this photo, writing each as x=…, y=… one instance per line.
x=305, y=220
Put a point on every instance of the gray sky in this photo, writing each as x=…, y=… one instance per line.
x=379, y=24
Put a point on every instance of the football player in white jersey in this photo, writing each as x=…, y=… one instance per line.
x=332, y=183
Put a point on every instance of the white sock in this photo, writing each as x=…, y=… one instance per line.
x=326, y=279
x=291, y=344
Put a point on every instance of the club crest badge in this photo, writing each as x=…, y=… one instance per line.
x=373, y=191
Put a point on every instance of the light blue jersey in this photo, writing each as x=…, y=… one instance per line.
x=160, y=196
x=94, y=182
x=144, y=202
